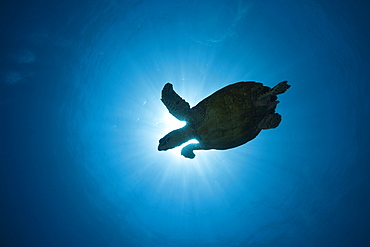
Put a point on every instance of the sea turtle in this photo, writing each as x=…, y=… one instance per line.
x=228, y=118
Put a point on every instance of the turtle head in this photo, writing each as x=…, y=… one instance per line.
x=174, y=139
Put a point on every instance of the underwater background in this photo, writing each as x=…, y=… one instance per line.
x=81, y=116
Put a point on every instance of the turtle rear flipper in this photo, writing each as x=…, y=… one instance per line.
x=177, y=106
x=270, y=121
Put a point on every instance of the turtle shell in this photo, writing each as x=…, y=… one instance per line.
x=229, y=117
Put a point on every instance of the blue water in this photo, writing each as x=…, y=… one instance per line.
x=81, y=116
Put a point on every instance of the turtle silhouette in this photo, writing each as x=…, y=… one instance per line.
x=228, y=118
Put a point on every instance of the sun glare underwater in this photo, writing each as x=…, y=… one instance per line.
x=81, y=120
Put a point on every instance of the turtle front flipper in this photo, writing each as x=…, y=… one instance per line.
x=188, y=150
x=177, y=106
x=270, y=96
x=280, y=88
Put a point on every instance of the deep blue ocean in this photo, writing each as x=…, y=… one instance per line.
x=81, y=117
